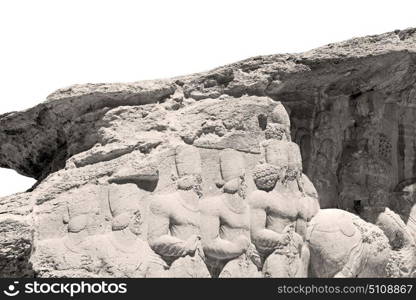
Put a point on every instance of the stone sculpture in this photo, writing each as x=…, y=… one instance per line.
x=405, y=204
x=275, y=206
x=283, y=204
x=174, y=221
x=278, y=124
x=273, y=221
x=121, y=253
x=69, y=256
x=352, y=113
x=225, y=222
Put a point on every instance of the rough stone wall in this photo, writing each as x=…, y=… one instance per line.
x=351, y=107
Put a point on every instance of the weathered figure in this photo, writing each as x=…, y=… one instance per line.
x=174, y=231
x=278, y=125
x=344, y=245
x=279, y=211
x=121, y=253
x=405, y=204
x=71, y=254
x=225, y=222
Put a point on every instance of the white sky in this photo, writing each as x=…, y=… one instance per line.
x=49, y=44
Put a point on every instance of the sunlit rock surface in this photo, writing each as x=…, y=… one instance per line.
x=350, y=108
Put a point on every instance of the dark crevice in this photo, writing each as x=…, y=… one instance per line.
x=262, y=119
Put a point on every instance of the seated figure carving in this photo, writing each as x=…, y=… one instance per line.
x=174, y=219
x=279, y=211
x=121, y=253
x=225, y=222
x=69, y=255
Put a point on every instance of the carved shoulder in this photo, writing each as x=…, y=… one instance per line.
x=211, y=205
x=308, y=207
x=258, y=199
x=161, y=205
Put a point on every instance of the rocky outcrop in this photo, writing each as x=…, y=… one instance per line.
x=351, y=110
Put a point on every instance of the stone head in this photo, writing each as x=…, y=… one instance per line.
x=408, y=193
x=266, y=176
x=188, y=167
x=276, y=131
x=279, y=115
x=123, y=207
x=77, y=215
x=278, y=127
x=232, y=170
x=129, y=219
x=276, y=153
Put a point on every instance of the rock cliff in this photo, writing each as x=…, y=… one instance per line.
x=351, y=108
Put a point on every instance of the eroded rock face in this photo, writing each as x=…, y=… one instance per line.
x=348, y=106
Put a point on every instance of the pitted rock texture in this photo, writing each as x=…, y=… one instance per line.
x=351, y=109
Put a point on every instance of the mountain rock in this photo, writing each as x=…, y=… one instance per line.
x=349, y=106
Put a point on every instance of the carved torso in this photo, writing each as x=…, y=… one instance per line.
x=121, y=260
x=281, y=211
x=183, y=218
x=234, y=221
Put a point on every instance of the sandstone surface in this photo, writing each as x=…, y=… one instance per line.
x=103, y=154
